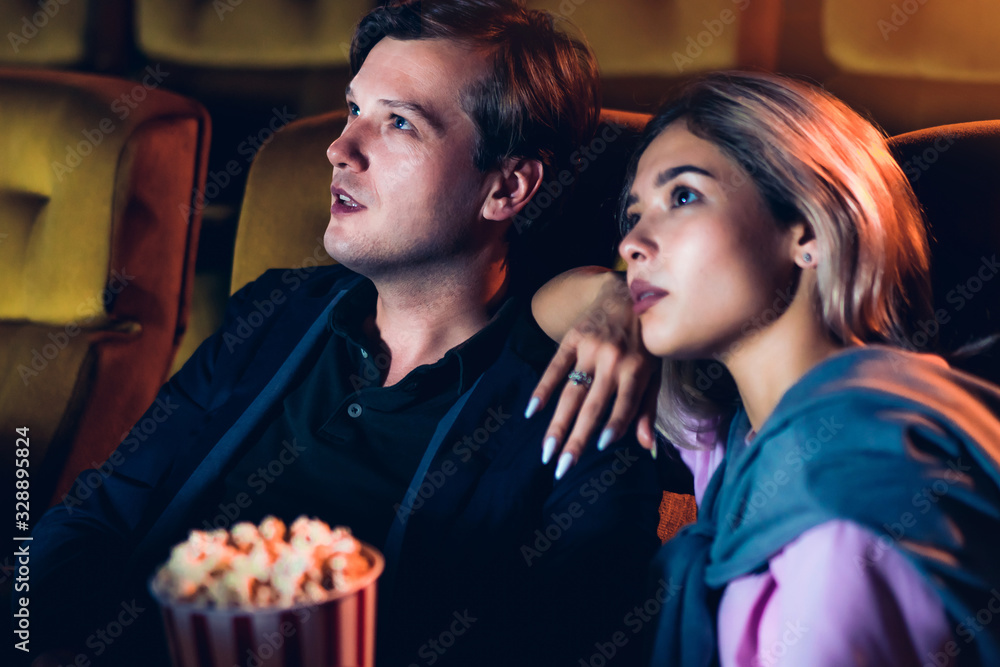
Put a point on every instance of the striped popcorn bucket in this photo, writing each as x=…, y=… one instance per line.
x=338, y=632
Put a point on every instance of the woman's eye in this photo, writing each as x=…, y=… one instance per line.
x=401, y=123
x=682, y=196
x=353, y=109
x=631, y=220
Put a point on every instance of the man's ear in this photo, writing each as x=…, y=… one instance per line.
x=803, y=247
x=513, y=186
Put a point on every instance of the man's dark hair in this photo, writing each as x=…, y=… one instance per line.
x=541, y=98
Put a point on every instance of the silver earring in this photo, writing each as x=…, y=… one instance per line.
x=807, y=258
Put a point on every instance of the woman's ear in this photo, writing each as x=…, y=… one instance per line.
x=803, y=247
x=514, y=184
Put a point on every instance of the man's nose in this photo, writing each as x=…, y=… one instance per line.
x=347, y=151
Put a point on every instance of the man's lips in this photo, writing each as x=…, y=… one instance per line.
x=343, y=201
x=644, y=295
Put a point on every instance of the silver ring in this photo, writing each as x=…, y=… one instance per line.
x=579, y=377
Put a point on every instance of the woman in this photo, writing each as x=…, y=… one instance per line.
x=848, y=489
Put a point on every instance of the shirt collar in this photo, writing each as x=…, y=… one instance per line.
x=472, y=357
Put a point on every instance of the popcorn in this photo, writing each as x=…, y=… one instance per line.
x=263, y=566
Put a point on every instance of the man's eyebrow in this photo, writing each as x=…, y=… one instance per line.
x=429, y=116
x=417, y=108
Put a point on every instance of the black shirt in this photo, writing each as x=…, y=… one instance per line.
x=344, y=448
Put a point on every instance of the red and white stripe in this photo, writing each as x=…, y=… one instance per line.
x=336, y=633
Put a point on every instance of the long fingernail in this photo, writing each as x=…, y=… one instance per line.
x=532, y=407
x=607, y=435
x=652, y=452
x=548, y=449
x=565, y=461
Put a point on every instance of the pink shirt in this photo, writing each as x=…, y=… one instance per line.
x=837, y=595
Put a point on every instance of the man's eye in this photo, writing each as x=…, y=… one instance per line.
x=401, y=123
x=682, y=196
x=353, y=109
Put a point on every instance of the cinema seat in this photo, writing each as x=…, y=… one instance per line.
x=643, y=47
x=50, y=34
x=898, y=59
x=258, y=35
x=96, y=259
x=954, y=170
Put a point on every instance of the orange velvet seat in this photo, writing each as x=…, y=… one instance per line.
x=97, y=178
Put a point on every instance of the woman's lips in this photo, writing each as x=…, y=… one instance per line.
x=645, y=295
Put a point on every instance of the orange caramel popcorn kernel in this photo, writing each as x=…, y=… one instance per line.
x=267, y=565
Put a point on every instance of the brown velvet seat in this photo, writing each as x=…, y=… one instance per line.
x=954, y=169
x=97, y=246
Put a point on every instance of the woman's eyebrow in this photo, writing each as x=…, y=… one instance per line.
x=668, y=175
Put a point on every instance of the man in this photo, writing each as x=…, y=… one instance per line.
x=385, y=393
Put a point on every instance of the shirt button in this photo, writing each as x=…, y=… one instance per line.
x=354, y=410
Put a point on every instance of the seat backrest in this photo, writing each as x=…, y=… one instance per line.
x=97, y=185
x=898, y=59
x=50, y=34
x=674, y=38
x=954, y=170
x=257, y=35
x=286, y=206
x=913, y=40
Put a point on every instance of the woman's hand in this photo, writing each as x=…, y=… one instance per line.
x=605, y=347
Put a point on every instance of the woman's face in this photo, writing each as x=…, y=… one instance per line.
x=707, y=263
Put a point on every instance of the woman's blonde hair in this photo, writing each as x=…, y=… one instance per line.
x=814, y=160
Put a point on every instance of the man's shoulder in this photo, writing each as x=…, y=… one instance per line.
x=527, y=341
x=278, y=307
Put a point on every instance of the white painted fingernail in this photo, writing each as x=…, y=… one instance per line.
x=548, y=449
x=565, y=461
x=607, y=436
x=532, y=407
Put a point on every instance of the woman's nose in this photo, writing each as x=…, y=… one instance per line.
x=636, y=247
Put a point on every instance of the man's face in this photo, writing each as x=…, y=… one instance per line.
x=406, y=192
